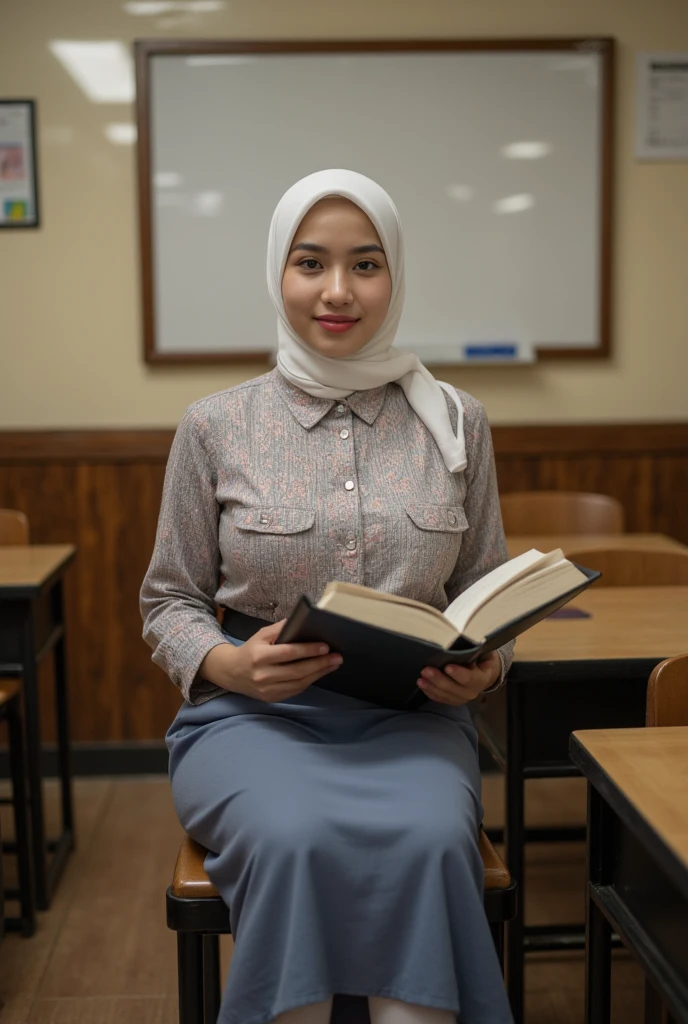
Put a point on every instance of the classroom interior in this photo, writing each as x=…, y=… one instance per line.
x=86, y=425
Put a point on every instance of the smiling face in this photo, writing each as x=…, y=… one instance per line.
x=336, y=285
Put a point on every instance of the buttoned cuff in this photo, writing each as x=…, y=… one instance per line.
x=181, y=657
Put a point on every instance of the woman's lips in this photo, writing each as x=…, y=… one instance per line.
x=336, y=325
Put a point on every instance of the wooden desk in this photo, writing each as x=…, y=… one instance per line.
x=518, y=543
x=637, y=859
x=568, y=674
x=31, y=625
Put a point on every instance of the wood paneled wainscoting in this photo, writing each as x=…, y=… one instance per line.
x=101, y=491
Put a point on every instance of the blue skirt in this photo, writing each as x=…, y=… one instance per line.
x=343, y=838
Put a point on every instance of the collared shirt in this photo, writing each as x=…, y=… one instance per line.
x=271, y=493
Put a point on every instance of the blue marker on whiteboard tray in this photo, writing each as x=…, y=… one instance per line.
x=498, y=352
x=495, y=350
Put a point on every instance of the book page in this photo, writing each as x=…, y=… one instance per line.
x=465, y=605
x=524, y=595
x=357, y=590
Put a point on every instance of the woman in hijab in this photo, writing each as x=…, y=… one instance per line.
x=342, y=835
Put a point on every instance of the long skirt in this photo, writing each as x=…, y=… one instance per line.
x=343, y=838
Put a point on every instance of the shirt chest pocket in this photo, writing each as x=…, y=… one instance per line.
x=272, y=550
x=435, y=533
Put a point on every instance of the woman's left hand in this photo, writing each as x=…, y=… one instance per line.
x=457, y=684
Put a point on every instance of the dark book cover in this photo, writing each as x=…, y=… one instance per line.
x=381, y=666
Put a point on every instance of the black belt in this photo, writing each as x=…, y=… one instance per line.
x=240, y=625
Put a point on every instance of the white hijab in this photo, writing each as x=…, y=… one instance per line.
x=377, y=362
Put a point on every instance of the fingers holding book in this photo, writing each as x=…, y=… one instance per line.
x=459, y=684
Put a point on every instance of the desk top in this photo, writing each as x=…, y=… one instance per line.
x=518, y=543
x=643, y=771
x=624, y=622
x=26, y=568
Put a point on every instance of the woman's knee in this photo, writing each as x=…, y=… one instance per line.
x=287, y=829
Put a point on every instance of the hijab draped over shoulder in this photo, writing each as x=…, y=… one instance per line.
x=378, y=362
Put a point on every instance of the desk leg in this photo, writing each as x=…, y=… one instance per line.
x=33, y=759
x=62, y=717
x=598, y=933
x=514, y=839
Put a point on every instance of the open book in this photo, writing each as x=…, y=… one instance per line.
x=386, y=640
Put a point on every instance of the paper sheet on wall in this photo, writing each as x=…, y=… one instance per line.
x=662, y=106
x=17, y=185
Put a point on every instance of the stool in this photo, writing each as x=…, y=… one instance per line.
x=197, y=914
x=10, y=712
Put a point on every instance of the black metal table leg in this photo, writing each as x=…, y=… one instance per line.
x=598, y=947
x=33, y=759
x=514, y=847
x=62, y=715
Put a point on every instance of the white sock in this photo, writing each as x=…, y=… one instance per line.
x=313, y=1013
x=392, y=1011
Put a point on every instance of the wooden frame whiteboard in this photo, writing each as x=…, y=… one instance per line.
x=595, y=251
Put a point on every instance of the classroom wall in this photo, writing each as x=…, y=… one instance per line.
x=70, y=325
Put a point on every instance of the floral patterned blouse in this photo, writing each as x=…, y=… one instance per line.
x=270, y=493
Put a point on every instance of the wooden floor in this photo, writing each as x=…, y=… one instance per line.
x=103, y=955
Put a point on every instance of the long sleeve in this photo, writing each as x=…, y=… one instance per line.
x=484, y=545
x=179, y=589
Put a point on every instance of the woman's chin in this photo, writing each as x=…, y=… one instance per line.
x=336, y=348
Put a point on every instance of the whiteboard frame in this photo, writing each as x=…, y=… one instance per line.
x=146, y=49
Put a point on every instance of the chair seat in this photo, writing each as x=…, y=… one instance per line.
x=190, y=881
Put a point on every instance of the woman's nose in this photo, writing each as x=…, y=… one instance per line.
x=337, y=290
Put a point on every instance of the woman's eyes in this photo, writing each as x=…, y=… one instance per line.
x=364, y=265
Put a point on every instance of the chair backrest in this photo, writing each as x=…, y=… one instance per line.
x=14, y=527
x=635, y=567
x=667, y=693
x=561, y=512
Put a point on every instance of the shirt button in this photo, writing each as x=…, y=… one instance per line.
x=351, y=543
x=451, y=516
x=349, y=485
x=343, y=434
x=264, y=520
x=340, y=410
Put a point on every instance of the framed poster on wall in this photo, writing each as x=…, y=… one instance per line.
x=18, y=172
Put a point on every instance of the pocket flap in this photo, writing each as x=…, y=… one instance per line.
x=447, y=518
x=274, y=519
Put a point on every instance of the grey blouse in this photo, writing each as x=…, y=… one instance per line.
x=271, y=493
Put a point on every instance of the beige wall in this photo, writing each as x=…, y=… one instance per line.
x=70, y=336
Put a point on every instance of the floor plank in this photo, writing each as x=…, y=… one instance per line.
x=103, y=1010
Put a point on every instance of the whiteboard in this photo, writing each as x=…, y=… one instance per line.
x=495, y=159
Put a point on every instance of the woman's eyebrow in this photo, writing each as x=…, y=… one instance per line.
x=309, y=247
x=356, y=251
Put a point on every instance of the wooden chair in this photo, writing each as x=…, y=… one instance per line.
x=560, y=512
x=10, y=712
x=14, y=527
x=667, y=704
x=198, y=915
x=638, y=567
x=667, y=693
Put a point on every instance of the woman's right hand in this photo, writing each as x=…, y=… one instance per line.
x=265, y=670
